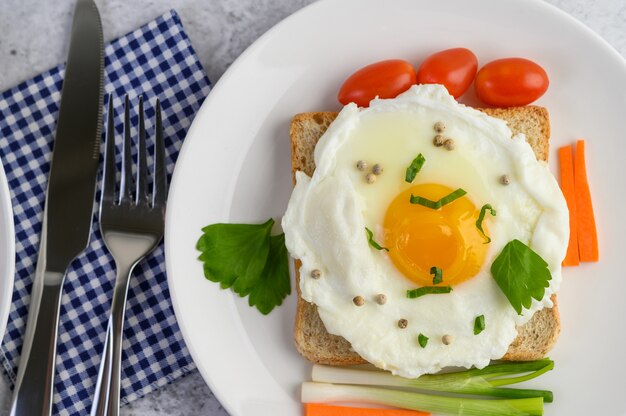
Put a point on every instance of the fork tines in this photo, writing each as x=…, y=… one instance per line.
x=140, y=195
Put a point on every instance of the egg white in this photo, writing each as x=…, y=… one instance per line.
x=327, y=214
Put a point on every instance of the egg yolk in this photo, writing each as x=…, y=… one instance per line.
x=419, y=238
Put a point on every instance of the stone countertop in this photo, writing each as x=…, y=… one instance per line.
x=220, y=30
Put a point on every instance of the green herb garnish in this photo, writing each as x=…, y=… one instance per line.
x=437, y=275
x=414, y=168
x=521, y=274
x=452, y=196
x=474, y=392
x=372, y=242
x=422, y=340
x=479, y=324
x=427, y=290
x=481, y=217
x=247, y=259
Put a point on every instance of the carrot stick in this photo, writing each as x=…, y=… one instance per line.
x=587, y=236
x=316, y=409
x=566, y=162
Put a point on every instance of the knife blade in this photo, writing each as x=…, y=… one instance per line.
x=68, y=208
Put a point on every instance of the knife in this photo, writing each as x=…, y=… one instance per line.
x=68, y=208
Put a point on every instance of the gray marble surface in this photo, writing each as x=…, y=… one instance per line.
x=33, y=35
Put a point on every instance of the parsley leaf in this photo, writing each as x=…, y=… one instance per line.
x=274, y=284
x=414, y=168
x=372, y=242
x=245, y=258
x=521, y=274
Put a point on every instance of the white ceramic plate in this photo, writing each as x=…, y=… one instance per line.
x=7, y=251
x=235, y=167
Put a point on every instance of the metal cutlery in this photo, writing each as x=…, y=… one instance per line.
x=68, y=208
x=132, y=225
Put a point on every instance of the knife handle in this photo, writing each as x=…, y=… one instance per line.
x=35, y=377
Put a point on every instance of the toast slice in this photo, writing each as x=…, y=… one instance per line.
x=534, y=339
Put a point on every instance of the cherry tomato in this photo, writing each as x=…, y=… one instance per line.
x=384, y=79
x=511, y=82
x=454, y=68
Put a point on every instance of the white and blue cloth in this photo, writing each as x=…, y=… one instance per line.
x=155, y=61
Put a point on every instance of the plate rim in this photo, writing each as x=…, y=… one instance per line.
x=9, y=251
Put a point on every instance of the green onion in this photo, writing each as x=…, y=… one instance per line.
x=427, y=290
x=437, y=275
x=479, y=324
x=422, y=340
x=481, y=217
x=451, y=197
x=414, y=168
x=483, y=382
x=325, y=393
x=372, y=242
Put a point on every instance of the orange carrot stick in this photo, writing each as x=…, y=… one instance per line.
x=566, y=168
x=587, y=235
x=316, y=409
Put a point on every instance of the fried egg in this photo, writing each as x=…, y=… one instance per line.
x=328, y=213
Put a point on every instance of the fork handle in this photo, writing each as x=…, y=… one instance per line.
x=107, y=396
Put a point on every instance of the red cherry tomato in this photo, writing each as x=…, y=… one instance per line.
x=454, y=68
x=384, y=79
x=511, y=82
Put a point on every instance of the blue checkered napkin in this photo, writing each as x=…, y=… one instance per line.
x=156, y=60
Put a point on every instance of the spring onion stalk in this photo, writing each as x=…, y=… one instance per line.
x=483, y=382
x=327, y=393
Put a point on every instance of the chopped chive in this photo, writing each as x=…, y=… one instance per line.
x=427, y=290
x=414, y=168
x=479, y=324
x=372, y=242
x=481, y=217
x=437, y=275
x=422, y=340
x=452, y=196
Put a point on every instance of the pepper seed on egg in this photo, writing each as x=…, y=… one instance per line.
x=446, y=339
x=377, y=169
x=439, y=140
x=315, y=273
x=439, y=127
x=358, y=300
x=505, y=179
x=361, y=165
x=449, y=144
x=381, y=299
x=370, y=178
x=403, y=323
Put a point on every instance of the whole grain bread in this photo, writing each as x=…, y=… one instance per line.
x=534, y=339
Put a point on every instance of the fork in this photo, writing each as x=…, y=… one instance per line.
x=132, y=226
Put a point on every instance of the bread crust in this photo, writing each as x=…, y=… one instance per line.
x=314, y=343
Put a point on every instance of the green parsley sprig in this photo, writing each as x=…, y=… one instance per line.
x=247, y=259
x=521, y=274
